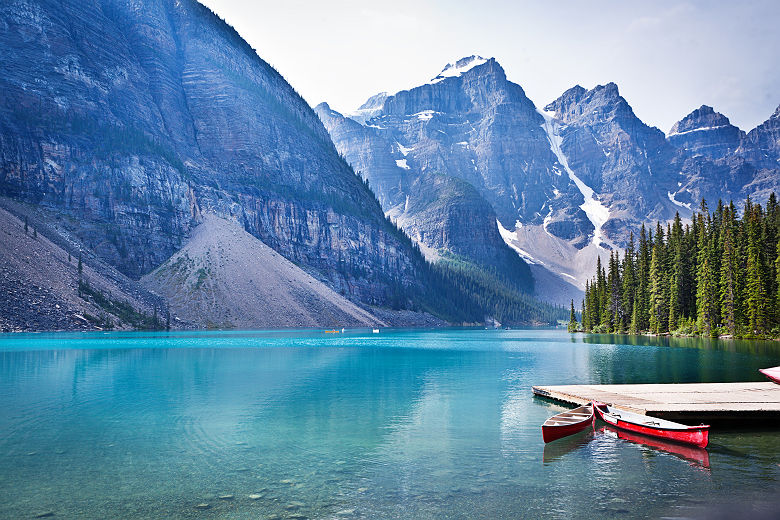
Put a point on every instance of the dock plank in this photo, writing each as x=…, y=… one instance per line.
x=720, y=401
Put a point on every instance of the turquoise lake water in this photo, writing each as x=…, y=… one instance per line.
x=401, y=424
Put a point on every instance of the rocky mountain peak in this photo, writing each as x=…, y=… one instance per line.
x=370, y=108
x=776, y=115
x=608, y=94
x=706, y=132
x=375, y=101
x=460, y=67
x=704, y=117
x=601, y=103
x=568, y=99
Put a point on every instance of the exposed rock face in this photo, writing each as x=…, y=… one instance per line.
x=719, y=161
x=706, y=132
x=445, y=215
x=578, y=177
x=133, y=117
x=625, y=161
x=761, y=146
x=224, y=277
x=470, y=122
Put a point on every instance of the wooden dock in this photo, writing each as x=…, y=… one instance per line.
x=690, y=403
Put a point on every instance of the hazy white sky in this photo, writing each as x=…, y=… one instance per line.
x=667, y=57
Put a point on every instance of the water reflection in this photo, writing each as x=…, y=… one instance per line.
x=554, y=451
x=695, y=455
x=409, y=424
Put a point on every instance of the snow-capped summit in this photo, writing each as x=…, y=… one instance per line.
x=460, y=66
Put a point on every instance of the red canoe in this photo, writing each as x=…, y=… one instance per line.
x=772, y=373
x=567, y=423
x=671, y=431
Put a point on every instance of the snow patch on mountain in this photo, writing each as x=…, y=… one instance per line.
x=460, y=66
x=425, y=115
x=509, y=239
x=401, y=163
x=686, y=205
x=403, y=149
x=597, y=213
x=702, y=129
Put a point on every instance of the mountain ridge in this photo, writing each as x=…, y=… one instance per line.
x=577, y=175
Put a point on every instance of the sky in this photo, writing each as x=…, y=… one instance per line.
x=667, y=57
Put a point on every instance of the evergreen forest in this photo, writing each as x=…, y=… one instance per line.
x=717, y=275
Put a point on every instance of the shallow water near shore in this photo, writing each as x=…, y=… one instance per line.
x=401, y=424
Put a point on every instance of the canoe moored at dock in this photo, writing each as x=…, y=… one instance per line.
x=772, y=373
x=567, y=423
x=652, y=426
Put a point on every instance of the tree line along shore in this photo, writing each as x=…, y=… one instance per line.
x=718, y=275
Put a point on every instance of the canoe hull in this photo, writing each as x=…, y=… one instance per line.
x=551, y=433
x=694, y=435
x=771, y=373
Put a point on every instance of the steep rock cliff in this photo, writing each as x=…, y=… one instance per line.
x=134, y=117
x=445, y=215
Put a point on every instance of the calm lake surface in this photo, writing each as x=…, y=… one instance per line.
x=401, y=424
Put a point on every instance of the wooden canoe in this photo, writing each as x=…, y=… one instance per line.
x=567, y=423
x=772, y=373
x=652, y=426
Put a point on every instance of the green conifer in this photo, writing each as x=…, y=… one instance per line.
x=573, y=325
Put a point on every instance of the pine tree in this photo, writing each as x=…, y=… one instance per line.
x=628, y=289
x=755, y=293
x=729, y=269
x=777, y=281
x=573, y=325
x=634, y=327
x=600, y=296
x=705, y=279
x=676, y=274
x=25, y=226
x=642, y=302
x=615, y=295
x=586, y=326
x=658, y=285
x=658, y=312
